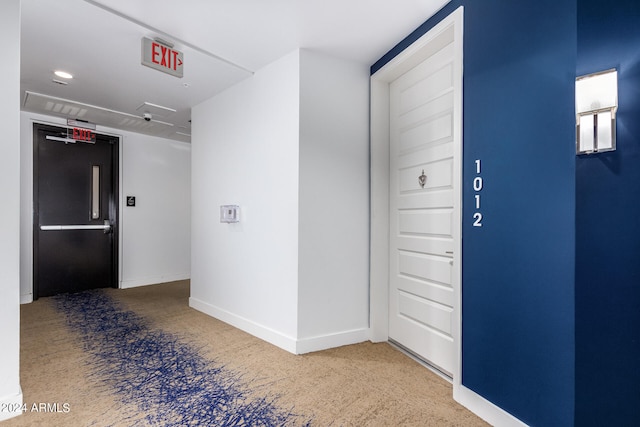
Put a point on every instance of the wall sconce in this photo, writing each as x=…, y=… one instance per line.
x=596, y=106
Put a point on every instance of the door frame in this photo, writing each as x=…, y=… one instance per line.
x=451, y=26
x=114, y=207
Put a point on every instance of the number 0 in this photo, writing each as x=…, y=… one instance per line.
x=477, y=183
x=478, y=219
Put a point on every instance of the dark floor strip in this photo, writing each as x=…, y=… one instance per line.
x=171, y=384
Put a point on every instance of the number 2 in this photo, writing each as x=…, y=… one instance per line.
x=478, y=219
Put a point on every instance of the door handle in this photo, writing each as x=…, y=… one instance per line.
x=106, y=227
x=450, y=253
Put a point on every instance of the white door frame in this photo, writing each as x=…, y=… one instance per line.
x=379, y=251
x=432, y=41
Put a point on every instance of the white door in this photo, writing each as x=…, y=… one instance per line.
x=424, y=209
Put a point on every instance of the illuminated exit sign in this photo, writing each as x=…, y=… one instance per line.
x=162, y=57
x=81, y=134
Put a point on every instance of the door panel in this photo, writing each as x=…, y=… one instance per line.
x=438, y=317
x=75, y=195
x=423, y=212
x=432, y=268
x=440, y=175
x=421, y=222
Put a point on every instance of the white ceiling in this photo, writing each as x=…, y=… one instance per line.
x=223, y=41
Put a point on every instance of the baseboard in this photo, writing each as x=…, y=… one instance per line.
x=267, y=334
x=486, y=410
x=11, y=406
x=26, y=298
x=308, y=345
x=134, y=283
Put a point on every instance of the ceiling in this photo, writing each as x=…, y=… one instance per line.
x=223, y=42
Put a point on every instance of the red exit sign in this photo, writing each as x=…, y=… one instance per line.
x=162, y=57
x=81, y=134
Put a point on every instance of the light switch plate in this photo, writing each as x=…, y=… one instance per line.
x=229, y=213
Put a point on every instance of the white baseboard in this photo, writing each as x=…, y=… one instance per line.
x=486, y=410
x=134, y=283
x=308, y=345
x=279, y=339
x=267, y=334
x=26, y=298
x=11, y=406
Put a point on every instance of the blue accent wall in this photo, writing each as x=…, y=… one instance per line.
x=608, y=228
x=518, y=268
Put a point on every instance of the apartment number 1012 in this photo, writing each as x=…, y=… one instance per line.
x=477, y=188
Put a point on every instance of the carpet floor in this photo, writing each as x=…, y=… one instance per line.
x=142, y=357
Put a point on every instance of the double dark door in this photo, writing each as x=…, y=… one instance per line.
x=75, y=212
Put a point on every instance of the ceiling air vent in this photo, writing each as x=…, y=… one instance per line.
x=65, y=108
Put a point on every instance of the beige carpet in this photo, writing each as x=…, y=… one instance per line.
x=358, y=385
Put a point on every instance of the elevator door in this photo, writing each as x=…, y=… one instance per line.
x=75, y=212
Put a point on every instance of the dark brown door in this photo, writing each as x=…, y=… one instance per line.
x=75, y=212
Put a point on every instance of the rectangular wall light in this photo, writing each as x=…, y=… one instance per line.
x=596, y=106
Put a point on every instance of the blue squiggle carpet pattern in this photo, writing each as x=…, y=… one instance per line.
x=171, y=384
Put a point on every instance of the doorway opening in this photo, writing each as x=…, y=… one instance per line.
x=75, y=222
x=416, y=198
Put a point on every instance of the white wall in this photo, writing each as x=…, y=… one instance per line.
x=155, y=235
x=334, y=198
x=285, y=145
x=245, y=152
x=10, y=392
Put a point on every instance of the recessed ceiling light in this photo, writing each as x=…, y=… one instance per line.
x=63, y=74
